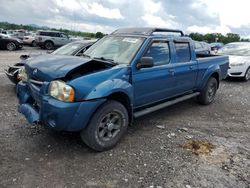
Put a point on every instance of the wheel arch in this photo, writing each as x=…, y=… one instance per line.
x=124, y=99
x=212, y=71
x=217, y=77
x=48, y=40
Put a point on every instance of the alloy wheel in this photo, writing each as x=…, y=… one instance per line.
x=110, y=125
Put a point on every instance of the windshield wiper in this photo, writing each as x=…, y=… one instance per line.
x=111, y=61
x=86, y=55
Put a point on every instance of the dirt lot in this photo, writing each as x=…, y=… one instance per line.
x=160, y=150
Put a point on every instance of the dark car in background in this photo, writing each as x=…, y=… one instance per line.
x=202, y=47
x=71, y=49
x=9, y=43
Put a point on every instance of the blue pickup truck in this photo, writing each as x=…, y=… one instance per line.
x=127, y=74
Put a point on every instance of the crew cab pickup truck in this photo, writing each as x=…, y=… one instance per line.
x=127, y=74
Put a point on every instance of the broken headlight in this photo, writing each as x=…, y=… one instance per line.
x=22, y=75
x=61, y=91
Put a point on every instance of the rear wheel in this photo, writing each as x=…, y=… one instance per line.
x=107, y=126
x=33, y=43
x=247, y=75
x=11, y=46
x=208, y=93
x=48, y=45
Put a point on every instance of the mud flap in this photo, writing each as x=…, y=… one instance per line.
x=29, y=112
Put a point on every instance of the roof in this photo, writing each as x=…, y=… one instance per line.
x=148, y=31
x=51, y=31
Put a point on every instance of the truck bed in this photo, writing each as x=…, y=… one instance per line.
x=207, y=61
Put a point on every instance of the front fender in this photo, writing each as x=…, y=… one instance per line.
x=208, y=73
x=111, y=86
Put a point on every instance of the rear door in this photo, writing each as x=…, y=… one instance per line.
x=185, y=67
x=155, y=83
x=56, y=38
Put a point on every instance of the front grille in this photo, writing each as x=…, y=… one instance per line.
x=236, y=73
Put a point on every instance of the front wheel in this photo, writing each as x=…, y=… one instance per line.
x=11, y=46
x=247, y=75
x=107, y=126
x=208, y=93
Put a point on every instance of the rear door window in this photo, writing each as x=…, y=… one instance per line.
x=183, y=53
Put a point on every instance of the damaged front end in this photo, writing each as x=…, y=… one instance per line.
x=54, y=100
x=12, y=72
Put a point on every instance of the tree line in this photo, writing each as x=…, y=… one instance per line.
x=12, y=26
x=217, y=37
x=210, y=37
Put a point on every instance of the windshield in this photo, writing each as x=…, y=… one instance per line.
x=119, y=49
x=69, y=49
x=238, y=49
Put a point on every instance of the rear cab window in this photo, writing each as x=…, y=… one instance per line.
x=183, y=52
x=160, y=52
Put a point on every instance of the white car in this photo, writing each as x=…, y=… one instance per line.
x=50, y=39
x=30, y=40
x=239, y=59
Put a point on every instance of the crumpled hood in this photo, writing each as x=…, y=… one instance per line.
x=49, y=67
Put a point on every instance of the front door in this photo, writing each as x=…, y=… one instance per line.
x=155, y=83
x=63, y=39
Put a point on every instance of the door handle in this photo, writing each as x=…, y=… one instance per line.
x=171, y=71
x=191, y=67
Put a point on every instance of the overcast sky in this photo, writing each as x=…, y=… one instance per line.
x=204, y=16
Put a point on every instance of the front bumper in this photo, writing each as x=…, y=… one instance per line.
x=55, y=114
x=237, y=71
x=12, y=73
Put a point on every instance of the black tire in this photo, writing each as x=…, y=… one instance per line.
x=11, y=46
x=208, y=93
x=247, y=74
x=48, y=45
x=107, y=126
x=33, y=43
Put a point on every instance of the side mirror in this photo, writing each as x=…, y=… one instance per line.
x=145, y=62
x=79, y=54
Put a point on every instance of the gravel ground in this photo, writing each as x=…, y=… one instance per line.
x=152, y=154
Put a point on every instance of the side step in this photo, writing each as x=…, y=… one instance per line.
x=164, y=105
